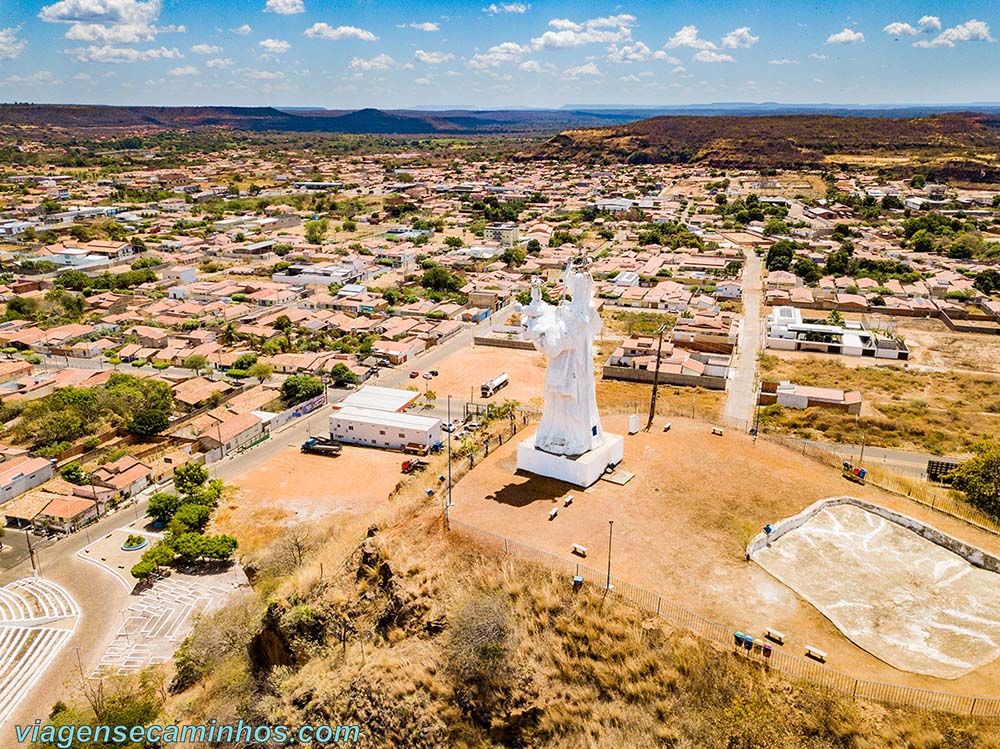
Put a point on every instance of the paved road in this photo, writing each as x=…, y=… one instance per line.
x=739, y=408
x=906, y=462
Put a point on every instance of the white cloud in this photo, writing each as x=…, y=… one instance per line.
x=108, y=21
x=219, y=62
x=566, y=34
x=206, y=49
x=274, y=46
x=425, y=26
x=707, y=55
x=817, y=56
x=434, y=58
x=184, y=70
x=378, y=63
x=262, y=75
x=847, y=36
x=326, y=31
x=679, y=69
x=423, y=81
x=929, y=23
x=783, y=61
x=899, y=28
x=533, y=66
x=119, y=55
x=740, y=38
x=970, y=31
x=637, y=52
x=41, y=76
x=10, y=45
x=687, y=36
x=497, y=55
x=589, y=70
x=495, y=8
x=242, y=30
x=285, y=7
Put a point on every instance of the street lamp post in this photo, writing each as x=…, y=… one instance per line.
x=447, y=501
x=611, y=530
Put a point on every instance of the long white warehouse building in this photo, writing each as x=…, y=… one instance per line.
x=386, y=429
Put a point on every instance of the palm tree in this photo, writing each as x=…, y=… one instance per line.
x=229, y=335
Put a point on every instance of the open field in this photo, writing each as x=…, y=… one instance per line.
x=681, y=524
x=940, y=412
x=870, y=576
x=463, y=372
x=934, y=345
x=293, y=488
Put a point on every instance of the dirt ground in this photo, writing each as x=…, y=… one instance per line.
x=294, y=487
x=464, y=371
x=932, y=344
x=680, y=527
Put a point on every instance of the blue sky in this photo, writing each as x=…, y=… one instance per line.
x=353, y=53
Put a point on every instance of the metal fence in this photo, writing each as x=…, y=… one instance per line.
x=789, y=665
x=890, y=482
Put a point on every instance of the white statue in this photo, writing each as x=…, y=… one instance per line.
x=565, y=333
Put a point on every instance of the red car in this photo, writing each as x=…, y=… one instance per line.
x=414, y=375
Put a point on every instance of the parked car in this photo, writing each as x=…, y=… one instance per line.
x=428, y=375
x=414, y=375
x=448, y=426
x=434, y=373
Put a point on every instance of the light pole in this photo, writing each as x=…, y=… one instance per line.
x=611, y=530
x=447, y=501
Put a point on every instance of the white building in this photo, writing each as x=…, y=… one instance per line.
x=505, y=234
x=385, y=429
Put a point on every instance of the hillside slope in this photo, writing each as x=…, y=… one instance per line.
x=779, y=141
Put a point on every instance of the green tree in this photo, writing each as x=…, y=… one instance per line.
x=918, y=181
x=454, y=242
x=342, y=375
x=148, y=422
x=190, y=518
x=316, y=230
x=533, y=247
x=513, y=256
x=987, y=281
x=979, y=477
x=298, y=388
x=197, y=362
x=780, y=255
x=775, y=226
x=162, y=506
x=439, y=278
x=261, y=372
x=190, y=478
x=807, y=270
x=74, y=474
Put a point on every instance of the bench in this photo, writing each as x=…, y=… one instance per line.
x=553, y=512
x=666, y=427
x=579, y=550
x=815, y=653
x=774, y=635
x=568, y=501
x=717, y=431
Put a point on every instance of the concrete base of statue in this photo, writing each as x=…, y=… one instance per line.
x=580, y=470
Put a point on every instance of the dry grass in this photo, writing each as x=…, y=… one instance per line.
x=941, y=412
x=614, y=396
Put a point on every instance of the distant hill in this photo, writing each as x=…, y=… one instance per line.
x=88, y=117
x=779, y=141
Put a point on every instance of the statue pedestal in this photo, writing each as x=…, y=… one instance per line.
x=582, y=470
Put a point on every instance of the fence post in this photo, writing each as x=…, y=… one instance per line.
x=972, y=710
x=854, y=692
x=505, y=550
x=658, y=599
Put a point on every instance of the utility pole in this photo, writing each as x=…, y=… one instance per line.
x=864, y=438
x=31, y=554
x=656, y=378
